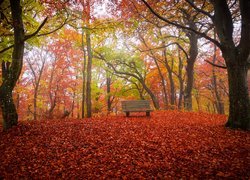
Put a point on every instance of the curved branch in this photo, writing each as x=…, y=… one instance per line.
x=38, y=29
x=199, y=10
x=216, y=65
x=181, y=26
x=27, y=36
x=45, y=34
x=165, y=46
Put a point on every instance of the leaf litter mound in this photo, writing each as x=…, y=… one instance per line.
x=169, y=144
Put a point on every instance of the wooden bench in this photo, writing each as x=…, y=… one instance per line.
x=136, y=106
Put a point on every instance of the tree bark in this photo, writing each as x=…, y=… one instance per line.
x=165, y=100
x=83, y=76
x=36, y=83
x=237, y=61
x=171, y=80
x=218, y=103
x=193, y=52
x=108, y=82
x=11, y=71
x=181, y=82
x=239, y=108
x=151, y=94
x=10, y=117
x=89, y=75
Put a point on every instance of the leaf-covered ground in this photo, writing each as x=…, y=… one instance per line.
x=167, y=145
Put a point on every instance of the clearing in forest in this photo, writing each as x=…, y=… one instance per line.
x=169, y=144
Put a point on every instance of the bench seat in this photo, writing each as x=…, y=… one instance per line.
x=136, y=106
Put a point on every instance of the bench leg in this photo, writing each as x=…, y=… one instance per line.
x=127, y=114
x=147, y=113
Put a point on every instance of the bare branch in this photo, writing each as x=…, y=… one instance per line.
x=216, y=65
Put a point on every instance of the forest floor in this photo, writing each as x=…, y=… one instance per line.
x=167, y=145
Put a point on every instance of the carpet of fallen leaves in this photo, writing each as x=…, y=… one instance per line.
x=167, y=145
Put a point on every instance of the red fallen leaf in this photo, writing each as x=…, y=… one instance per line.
x=171, y=145
x=221, y=174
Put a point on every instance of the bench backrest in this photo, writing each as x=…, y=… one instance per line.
x=135, y=105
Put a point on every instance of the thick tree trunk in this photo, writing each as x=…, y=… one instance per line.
x=193, y=52
x=11, y=71
x=188, y=89
x=10, y=117
x=237, y=61
x=239, y=109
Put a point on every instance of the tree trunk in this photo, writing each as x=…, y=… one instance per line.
x=11, y=71
x=35, y=103
x=89, y=74
x=165, y=100
x=181, y=82
x=151, y=94
x=218, y=103
x=172, y=88
x=239, y=109
x=188, y=89
x=237, y=61
x=108, y=80
x=170, y=77
x=83, y=75
x=10, y=117
x=193, y=52
x=52, y=99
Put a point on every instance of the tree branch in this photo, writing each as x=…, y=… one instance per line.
x=6, y=49
x=181, y=26
x=45, y=34
x=27, y=36
x=199, y=10
x=216, y=65
x=38, y=29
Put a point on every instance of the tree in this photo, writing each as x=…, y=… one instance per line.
x=236, y=55
x=36, y=68
x=128, y=67
x=11, y=69
x=156, y=61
